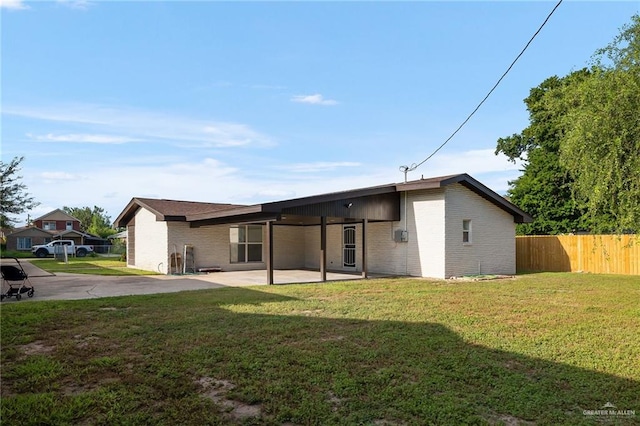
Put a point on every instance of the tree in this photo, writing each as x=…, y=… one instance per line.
x=93, y=221
x=15, y=199
x=581, y=149
x=601, y=134
x=544, y=189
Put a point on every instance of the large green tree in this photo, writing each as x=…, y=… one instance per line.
x=601, y=134
x=544, y=189
x=93, y=221
x=14, y=196
x=581, y=150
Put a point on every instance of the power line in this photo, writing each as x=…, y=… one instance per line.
x=412, y=167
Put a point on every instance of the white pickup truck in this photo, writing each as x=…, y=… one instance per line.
x=55, y=247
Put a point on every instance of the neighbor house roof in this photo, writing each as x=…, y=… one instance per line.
x=30, y=231
x=56, y=214
x=375, y=202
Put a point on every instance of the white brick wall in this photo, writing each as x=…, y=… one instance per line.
x=385, y=256
x=151, y=242
x=430, y=214
x=422, y=255
x=288, y=247
x=493, y=246
x=211, y=246
x=156, y=241
x=425, y=223
x=334, y=248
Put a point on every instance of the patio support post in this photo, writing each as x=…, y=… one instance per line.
x=269, y=253
x=364, y=248
x=323, y=248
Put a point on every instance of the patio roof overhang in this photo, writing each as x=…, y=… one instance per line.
x=377, y=203
x=373, y=204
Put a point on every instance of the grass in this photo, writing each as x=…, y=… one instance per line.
x=93, y=265
x=17, y=253
x=538, y=349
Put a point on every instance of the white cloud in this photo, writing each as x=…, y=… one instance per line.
x=83, y=138
x=319, y=166
x=13, y=4
x=75, y=4
x=112, y=185
x=57, y=176
x=316, y=99
x=141, y=124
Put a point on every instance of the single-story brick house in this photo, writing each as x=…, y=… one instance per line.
x=438, y=227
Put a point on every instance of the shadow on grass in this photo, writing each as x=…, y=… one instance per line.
x=196, y=358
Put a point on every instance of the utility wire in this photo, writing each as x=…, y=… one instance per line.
x=414, y=166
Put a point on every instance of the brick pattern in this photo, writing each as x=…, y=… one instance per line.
x=493, y=246
x=434, y=248
x=151, y=242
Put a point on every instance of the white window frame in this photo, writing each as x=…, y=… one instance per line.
x=24, y=243
x=69, y=225
x=47, y=225
x=236, y=247
x=467, y=232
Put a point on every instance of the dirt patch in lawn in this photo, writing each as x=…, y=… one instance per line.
x=216, y=390
x=36, y=348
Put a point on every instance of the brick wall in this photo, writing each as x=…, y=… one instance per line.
x=151, y=242
x=493, y=246
x=211, y=246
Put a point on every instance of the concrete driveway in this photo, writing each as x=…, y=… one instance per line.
x=64, y=286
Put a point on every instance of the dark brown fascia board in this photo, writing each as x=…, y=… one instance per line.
x=519, y=215
x=237, y=219
x=278, y=206
x=470, y=183
x=133, y=207
x=430, y=183
x=127, y=213
x=238, y=211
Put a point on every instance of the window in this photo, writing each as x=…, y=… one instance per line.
x=69, y=226
x=466, y=231
x=245, y=243
x=49, y=226
x=24, y=243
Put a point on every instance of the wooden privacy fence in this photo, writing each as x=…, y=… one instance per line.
x=600, y=254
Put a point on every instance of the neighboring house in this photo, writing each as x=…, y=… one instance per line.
x=54, y=225
x=57, y=221
x=24, y=238
x=439, y=227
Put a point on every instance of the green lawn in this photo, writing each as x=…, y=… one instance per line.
x=538, y=349
x=92, y=265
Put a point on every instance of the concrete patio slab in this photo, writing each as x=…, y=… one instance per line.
x=64, y=286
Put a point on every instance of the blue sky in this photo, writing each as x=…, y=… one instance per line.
x=248, y=102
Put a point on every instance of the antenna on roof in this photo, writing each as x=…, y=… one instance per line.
x=407, y=169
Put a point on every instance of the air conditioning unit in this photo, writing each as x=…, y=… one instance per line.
x=401, y=236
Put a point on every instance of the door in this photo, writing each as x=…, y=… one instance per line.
x=349, y=246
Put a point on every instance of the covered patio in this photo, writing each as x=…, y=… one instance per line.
x=376, y=204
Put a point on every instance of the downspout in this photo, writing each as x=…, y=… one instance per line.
x=406, y=245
